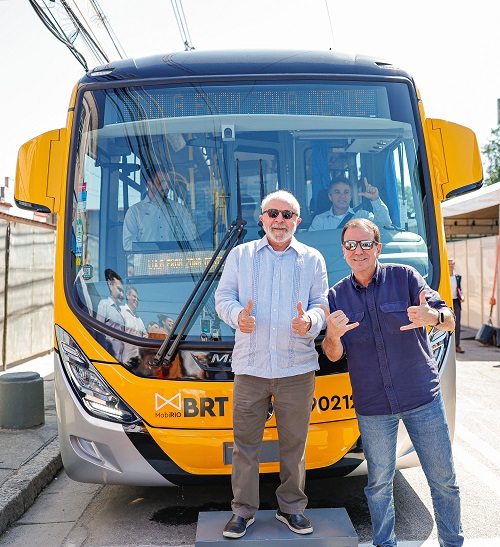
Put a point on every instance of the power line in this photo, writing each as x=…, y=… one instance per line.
x=76, y=27
x=86, y=25
x=331, y=27
x=105, y=23
x=92, y=44
x=48, y=19
x=182, y=24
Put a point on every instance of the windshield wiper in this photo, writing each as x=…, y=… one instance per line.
x=163, y=357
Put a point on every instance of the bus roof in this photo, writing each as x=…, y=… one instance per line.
x=194, y=63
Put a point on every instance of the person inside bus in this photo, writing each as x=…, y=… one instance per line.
x=166, y=323
x=109, y=313
x=394, y=376
x=133, y=323
x=270, y=292
x=340, y=194
x=157, y=218
x=109, y=310
x=153, y=327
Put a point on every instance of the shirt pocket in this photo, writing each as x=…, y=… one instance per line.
x=360, y=333
x=395, y=315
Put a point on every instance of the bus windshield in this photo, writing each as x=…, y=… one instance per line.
x=161, y=171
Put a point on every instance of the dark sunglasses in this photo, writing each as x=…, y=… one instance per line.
x=365, y=244
x=287, y=214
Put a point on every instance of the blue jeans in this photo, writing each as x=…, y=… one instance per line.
x=429, y=433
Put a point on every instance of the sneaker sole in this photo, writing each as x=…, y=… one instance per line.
x=235, y=535
x=303, y=531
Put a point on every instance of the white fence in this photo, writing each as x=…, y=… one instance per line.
x=26, y=291
x=475, y=262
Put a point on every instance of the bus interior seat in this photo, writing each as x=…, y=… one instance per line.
x=322, y=202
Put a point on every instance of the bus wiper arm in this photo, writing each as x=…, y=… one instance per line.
x=164, y=357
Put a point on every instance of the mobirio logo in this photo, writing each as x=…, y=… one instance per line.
x=216, y=358
x=189, y=407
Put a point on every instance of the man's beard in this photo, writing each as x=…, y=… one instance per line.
x=279, y=236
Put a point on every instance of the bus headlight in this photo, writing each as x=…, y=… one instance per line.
x=92, y=390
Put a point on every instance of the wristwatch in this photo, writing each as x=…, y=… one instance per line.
x=440, y=320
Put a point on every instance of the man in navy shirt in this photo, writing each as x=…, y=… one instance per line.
x=394, y=376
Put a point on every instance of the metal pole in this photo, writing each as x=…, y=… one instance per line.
x=5, y=297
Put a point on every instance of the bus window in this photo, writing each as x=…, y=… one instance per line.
x=161, y=168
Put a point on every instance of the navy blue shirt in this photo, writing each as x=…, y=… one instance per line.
x=391, y=371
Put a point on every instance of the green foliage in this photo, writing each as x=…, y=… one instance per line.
x=492, y=153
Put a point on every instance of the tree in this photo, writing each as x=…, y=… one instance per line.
x=492, y=153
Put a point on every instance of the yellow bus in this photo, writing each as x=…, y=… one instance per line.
x=158, y=173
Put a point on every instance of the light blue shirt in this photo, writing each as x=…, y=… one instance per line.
x=157, y=220
x=275, y=282
x=329, y=221
x=108, y=312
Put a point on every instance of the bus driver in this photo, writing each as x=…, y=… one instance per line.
x=157, y=217
x=340, y=194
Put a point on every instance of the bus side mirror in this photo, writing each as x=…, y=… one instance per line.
x=455, y=158
x=40, y=172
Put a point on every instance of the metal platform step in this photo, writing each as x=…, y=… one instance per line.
x=332, y=528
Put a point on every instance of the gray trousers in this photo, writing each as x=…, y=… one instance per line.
x=293, y=398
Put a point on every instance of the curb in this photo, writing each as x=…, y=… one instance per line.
x=20, y=490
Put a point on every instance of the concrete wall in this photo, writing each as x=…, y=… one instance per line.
x=30, y=302
x=475, y=261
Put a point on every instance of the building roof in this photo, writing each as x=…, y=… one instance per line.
x=475, y=214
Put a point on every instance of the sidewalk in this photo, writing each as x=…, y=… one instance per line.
x=29, y=458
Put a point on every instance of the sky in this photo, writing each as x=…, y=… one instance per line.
x=450, y=48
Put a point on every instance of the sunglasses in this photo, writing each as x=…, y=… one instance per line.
x=365, y=244
x=287, y=214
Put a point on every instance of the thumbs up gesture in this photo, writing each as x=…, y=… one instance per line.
x=420, y=315
x=302, y=323
x=246, y=321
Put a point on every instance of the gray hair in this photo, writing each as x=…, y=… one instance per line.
x=283, y=195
